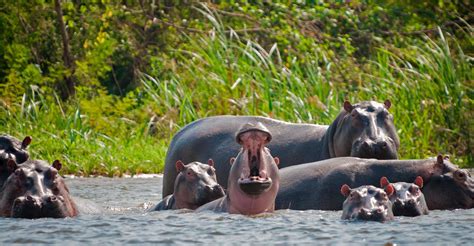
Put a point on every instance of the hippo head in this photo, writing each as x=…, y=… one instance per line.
x=254, y=179
x=196, y=184
x=11, y=148
x=365, y=130
x=407, y=199
x=35, y=190
x=367, y=203
x=448, y=186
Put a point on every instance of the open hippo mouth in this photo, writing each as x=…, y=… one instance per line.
x=257, y=182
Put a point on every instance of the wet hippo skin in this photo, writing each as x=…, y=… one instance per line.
x=195, y=185
x=313, y=185
x=362, y=130
x=35, y=190
x=253, y=180
x=367, y=202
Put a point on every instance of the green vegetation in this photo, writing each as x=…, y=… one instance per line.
x=90, y=104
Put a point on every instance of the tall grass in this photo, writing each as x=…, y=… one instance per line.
x=429, y=84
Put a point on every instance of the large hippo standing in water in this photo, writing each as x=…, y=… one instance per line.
x=35, y=190
x=195, y=185
x=14, y=149
x=363, y=130
x=253, y=180
x=316, y=185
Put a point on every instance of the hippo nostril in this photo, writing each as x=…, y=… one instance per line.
x=29, y=198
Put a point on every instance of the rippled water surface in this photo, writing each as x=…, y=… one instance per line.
x=124, y=220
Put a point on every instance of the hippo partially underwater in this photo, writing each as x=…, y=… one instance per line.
x=363, y=130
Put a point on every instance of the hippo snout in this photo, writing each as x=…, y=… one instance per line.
x=27, y=207
x=216, y=191
x=380, y=148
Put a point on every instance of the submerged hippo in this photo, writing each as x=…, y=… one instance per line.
x=253, y=180
x=313, y=185
x=12, y=148
x=195, y=185
x=367, y=202
x=363, y=130
x=407, y=200
x=35, y=190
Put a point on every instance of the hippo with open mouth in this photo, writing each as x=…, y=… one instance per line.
x=253, y=180
x=195, y=185
x=407, y=200
x=35, y=190
x=365, y=130
x=367, y=202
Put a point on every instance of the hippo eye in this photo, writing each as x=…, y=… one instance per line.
x=211, y=171
x=414, y=189
x=460, y=175
x=370, y=192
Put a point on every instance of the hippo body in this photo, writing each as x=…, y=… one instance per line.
x=253, y=180
x=195, y=185
x=367, y=202
x=364, y=130
x=35, y=190
x=316, y=185
x=11, y=148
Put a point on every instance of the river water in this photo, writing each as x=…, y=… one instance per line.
x=124, y=221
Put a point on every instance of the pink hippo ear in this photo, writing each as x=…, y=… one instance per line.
x=179, y=166
x=345, y=190
x=419, y=181
x=440, y=161
x=210, y=162
x=387, y=104
x=26, y=142
x=348, y=106
x=277, y=160
x=389, y=189
x=232, y=160
x=57, y=164
x=384, y=181
x=11, y=165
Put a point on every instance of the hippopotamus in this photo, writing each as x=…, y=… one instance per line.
x=253, y=180
x=407, y=200
x=364, y=130
x=195, y=185
x=35, y=190
x=367, y=202
x=313, y=185
x=12, y=148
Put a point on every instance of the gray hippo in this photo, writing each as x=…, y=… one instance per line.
x=12, y=148
x=35, y=190
x=195, y=185
x=363, y=130
x=253, y=180
x=314, y=185
x=367, y=202
x=407, y=200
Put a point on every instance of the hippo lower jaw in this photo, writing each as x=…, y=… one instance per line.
x=410, y=208
x=255, y=185
x=384, y=150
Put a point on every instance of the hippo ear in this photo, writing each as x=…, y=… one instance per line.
x=232, y=160
x=26, y=142
x=210, y=162
x=179, y=166
x=345, y=190
x=11, y=165
x=277, y=160
x=389, y=189
x=57, y=164
x=387, y=104
x=446, y=157
x=439, y=161
x=384, y=181
x=348, y=106
x=419, y=181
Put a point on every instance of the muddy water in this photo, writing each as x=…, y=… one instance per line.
x=124, y=220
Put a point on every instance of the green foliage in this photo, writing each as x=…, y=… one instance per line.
x=174, y=63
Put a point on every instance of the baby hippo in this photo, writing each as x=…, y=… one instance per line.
x=407, y=200
x=195, y=185
x=35, y=190
x=367, y=202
